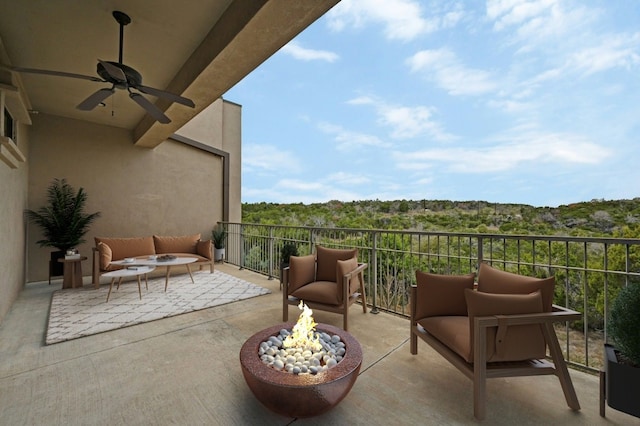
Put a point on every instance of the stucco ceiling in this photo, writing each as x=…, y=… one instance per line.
x=198, y=49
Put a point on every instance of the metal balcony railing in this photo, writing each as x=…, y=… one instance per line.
x=589, y=271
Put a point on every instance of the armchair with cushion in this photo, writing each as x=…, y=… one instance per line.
x=501, y=329
x=327, y=281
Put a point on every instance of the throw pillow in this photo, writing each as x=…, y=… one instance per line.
x=492, y=280
x=104, y=252
x=343, y=268
x=441, y=294
x=519, y=342
x=328, y=259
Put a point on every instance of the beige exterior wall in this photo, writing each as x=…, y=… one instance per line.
x=13, y=202
x=174, y=189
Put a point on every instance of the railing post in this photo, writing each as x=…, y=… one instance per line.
x=374, y=268
x=270, y=274
x=241, y=248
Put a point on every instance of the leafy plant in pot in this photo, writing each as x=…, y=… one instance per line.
x=219, y=237
x=623, y=357
x=62, y=220
x=286, y=251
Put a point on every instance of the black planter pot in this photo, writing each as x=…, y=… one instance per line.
x=56, y=268
x=622, y=384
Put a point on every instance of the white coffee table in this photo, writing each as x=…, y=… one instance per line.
x=166, y=263
x=122, y=273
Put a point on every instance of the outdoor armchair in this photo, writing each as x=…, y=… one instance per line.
x=331, y=280
x=501, y=329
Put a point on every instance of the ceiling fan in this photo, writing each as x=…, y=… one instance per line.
x=120, y=76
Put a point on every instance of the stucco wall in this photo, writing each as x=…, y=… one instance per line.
x=13, y=201
x=173, y=189
x=220, y=127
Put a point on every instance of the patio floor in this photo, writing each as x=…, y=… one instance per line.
x=185, y=370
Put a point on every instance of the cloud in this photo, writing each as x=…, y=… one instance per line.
x=614, y=51
x=403, y=20
x=526, y=150
x=294, y=49
x=535, y=22
x=268, y=158
x=443, y=67
x=405, y=122
x=348, y=140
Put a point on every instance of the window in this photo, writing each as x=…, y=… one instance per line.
x=9, y=129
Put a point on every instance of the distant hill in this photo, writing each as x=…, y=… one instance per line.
x=591, y=218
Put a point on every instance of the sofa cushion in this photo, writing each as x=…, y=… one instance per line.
x=453, y=331
x=492, y=280
x=302, y=271
x=204, y=249
x=441, y=294
x=343, y=267
x=181, y=244
x=104, y=254
x=319, y=292
x=520, y=342
x=127, y=247
x=327, y=259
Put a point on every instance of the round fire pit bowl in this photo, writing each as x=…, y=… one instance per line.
x=300, y=395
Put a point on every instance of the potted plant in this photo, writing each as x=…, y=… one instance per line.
x=219, y=237
x=63, y=221
x=287, y=250
x=622, y=368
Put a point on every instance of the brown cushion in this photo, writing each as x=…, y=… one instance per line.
x=453, y=331
x=128, y=247
x=181, y=244
x=104, y=254
x=521, y=342
x=319, y=292
x=492, y=280
x=441, y=294
x=302, y=271
x=328, y=260
x=343, y=267
x=203, y=248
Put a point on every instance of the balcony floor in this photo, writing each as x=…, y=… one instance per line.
x=185, y=370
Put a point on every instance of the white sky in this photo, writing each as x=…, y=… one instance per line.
x=510, y=101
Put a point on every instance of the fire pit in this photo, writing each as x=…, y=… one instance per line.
x=300, y=395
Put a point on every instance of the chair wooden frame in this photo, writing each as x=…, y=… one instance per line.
x=342, y=309
x=479, y=371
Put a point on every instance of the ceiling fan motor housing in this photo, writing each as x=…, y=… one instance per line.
x=133, y=77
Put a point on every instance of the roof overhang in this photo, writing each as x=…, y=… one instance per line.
x=197, y=49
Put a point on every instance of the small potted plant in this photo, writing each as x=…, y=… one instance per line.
x=63, y=221
x=219, y=237
x=287, y=250
x=623, y=356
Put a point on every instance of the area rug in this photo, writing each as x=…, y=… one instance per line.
x=84, y=311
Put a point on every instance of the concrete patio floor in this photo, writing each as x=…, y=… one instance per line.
x=185, y=370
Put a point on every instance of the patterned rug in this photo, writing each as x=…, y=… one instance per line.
x=84, y=311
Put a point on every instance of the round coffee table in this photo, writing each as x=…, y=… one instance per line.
x=157, y=263
x=132, y=271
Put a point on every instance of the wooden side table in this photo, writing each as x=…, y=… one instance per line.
x=72, y=277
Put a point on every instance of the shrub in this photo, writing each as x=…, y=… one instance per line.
x=624, y=324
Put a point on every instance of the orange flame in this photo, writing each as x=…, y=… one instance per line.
x=303, y=333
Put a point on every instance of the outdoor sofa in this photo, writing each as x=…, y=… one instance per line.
x=108, y=250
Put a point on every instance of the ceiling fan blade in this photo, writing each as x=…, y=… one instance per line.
x=166, y=95
x=114, y=71
x=153, y=110
x=51, y=72
x=92, y=101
